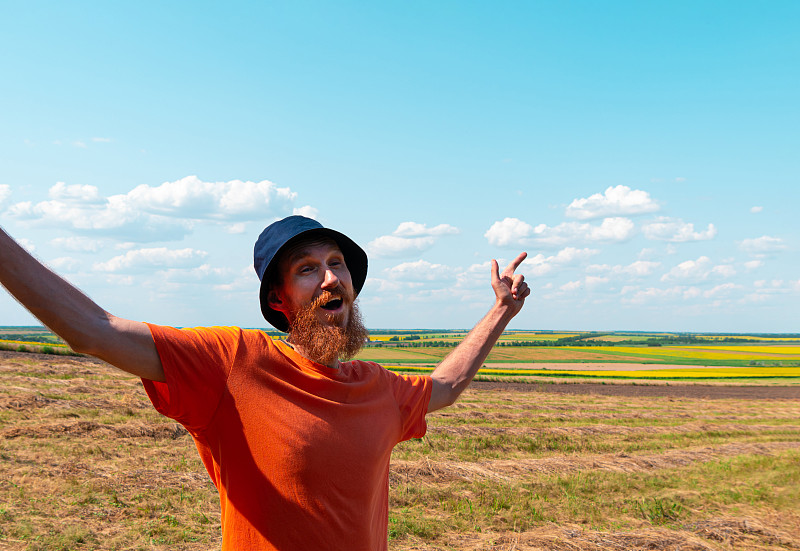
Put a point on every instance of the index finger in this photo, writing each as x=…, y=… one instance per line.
x=514, y=264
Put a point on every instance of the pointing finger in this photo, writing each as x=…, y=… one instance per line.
x=515, y=263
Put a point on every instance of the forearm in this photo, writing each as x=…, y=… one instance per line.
x=456, y=371
x=55, y=302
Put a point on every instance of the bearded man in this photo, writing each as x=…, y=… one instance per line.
x=296, y=440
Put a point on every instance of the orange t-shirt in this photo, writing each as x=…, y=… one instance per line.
x=298, y=451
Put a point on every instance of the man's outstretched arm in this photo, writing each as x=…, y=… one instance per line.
x=74, y=317
x=456, y=371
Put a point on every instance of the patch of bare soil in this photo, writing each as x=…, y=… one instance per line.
x=674, y=390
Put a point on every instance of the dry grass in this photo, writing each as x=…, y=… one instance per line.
x=86, y=463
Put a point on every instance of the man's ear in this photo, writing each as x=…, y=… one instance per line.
x=273, y=299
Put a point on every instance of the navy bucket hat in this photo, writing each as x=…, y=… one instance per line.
x=278, y=235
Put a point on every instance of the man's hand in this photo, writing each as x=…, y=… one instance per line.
x=510, y=289
x=452, y=376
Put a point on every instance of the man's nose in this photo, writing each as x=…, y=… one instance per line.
x=331, y=280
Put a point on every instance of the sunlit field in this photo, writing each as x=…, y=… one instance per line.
x=87, y=464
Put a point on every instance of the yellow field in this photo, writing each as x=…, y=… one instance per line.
x=705, y=353
x=33, y=343
x=688, y=373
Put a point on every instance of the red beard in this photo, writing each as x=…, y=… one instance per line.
x=324, y=343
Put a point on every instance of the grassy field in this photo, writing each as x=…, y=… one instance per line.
x=86, y=463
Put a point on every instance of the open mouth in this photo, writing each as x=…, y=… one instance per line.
x=333, y=304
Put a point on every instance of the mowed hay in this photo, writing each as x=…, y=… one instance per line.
x=86, y=463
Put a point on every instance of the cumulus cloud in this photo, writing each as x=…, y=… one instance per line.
x=698, y=270
x=65, y=264
x=421, y=270
x=615, y=201
x=409, y=237
x=204, y=273
x=512, y=231
x=509, y=231
x=308, y=211
x=541, y=265
x=5, y=192
x=146, y=259
x=413, y=229
x=676, y=230
x=391, y=245
x=762, y=246
x=639, y=268
x=756, y=209
x=753, y=264
x=722, y=290
x=76, y=244
x=75, y=193
x=632, y=295
x=157, y=213
x=193, y=198
x=570, y=286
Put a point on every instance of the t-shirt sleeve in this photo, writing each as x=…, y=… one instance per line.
x=412, y=394
x=196, y=364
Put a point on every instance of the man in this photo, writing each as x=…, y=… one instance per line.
x=296, y=441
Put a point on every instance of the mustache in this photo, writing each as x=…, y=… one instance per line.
x=328, y=295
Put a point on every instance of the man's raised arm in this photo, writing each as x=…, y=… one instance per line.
x=452, y=376
x=74, y=317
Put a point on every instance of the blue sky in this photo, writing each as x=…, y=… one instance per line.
x=644, y=154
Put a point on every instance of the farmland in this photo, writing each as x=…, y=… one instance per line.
x=86, y=463
x=584, y=447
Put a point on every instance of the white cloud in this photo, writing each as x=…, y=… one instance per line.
x=615, y=201
x=391, y=245
x=75, y=193
x=413, y=229
x=193, y=198
x=698, y=270
x=512, y=231
x=138, y=260
x=676, y=230
x=237, y=228
x=723, y=270
x=421, y=270
x=409, y=237
x=65, y=264
x=308, y=211
x=639, y=268
x=761, y=246
x=541, y=265
x=595, y=281
x=77, y=244
x=160, y=213
x=571, y=286
x=201, y=274
x=755, y=210
x=753, y=264
x=725, y=289
x=5, y=192
x=651, y=294
x=114, y=219
x=509, y=231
